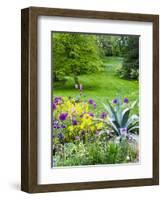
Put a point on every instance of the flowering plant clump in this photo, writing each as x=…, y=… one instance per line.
x=84, y=134
x=73, y=117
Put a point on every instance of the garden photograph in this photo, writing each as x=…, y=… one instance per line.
x=95, y=99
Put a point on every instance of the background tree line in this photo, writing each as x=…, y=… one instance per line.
x=126, y=47
x=74, y=54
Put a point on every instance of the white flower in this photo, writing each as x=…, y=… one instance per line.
x=76, y=86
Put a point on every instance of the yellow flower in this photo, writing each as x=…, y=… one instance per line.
x=99, y=125
x=92, y=128
x=86, y=122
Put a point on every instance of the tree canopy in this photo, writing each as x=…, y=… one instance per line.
x=126, y=47
x=75, y=54
x=130, y=51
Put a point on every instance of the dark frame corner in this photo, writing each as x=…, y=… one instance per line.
x=29, y=98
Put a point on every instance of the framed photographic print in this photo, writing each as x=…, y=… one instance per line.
x=90, y=99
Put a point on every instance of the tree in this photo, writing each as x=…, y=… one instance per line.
x=111, y=45
x=74, y=54
x=105, y=45
x=129, y=46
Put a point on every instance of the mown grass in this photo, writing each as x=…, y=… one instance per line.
x=101, y=85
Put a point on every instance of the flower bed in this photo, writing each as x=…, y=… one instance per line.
x=84, y=135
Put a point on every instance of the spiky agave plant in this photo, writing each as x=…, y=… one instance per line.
x=120, y=117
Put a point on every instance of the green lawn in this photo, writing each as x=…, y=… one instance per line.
x=100, y=85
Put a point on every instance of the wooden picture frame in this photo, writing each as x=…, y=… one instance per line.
x=29, y=97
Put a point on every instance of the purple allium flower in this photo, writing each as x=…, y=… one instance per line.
x=56, y=125
x=74, y=122
x=115, y=101
x=90, y=101
x=126, y=100
x=60, y=136
x=77, y=138
x=55, y=122
x=63, y=116
x=91, y=114
x=94, y=105
x=54, y=106
x=57, y=100
x=103, y=115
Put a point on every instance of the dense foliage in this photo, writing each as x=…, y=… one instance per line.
x=110, y=45
x=130, y=52
x=126, y=47
x=74, y=54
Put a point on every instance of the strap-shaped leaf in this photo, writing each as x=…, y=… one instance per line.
x=131, y=120
x=133, y=128
x=133, y=104
x=125, y=117
x=114, y=127
x=114, y=113
x=135, y=123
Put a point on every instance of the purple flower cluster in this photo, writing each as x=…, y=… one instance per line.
x=54, y=106
x=94, y=105
x=63, y=116
x=74, y=122
x=91, y=114
x=103, y=115
x=115, y=101
x=56, y=125
x=60, y=136
x=91, y=102
x=126, y=100
x=57, y=100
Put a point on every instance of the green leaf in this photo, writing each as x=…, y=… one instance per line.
x=131, y=120
x=125, y=116
x=114, y=113
x=135, y=123
x=133, y=104
x=133, y=128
